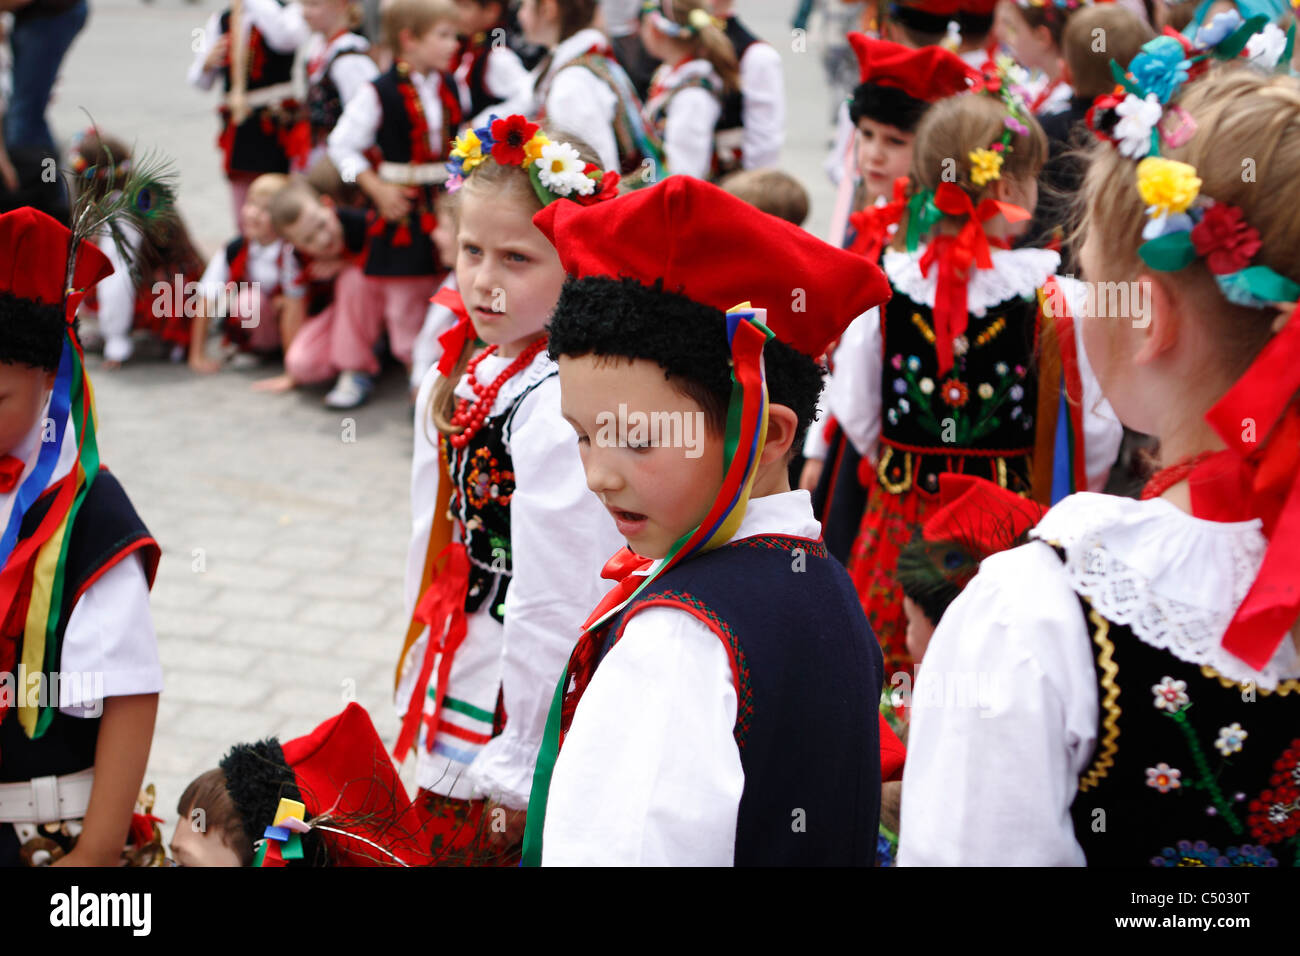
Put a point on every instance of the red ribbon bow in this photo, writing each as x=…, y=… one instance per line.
x=620, y=568
x=872, y=224
x=955, y=255
x=11, y=469
x=453, y=341
x=1259, y=477
x=442, y=607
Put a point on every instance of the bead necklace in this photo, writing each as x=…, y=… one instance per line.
x=469, y=417
x=1166, y=478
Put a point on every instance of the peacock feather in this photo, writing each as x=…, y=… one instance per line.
x=139, y=192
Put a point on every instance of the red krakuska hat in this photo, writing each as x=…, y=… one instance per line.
x=930, y=73
x=718, y=250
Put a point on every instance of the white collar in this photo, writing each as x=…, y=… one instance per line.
x=1016, y=273
x=494, y=365
x=327, y=50
x=1174, y=579
x=675, y=76
x=575, y=46
x=29, y=450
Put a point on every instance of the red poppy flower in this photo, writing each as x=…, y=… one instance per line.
x=1224, y=240
x=955, y=393
x=1096, y=114
x=607, y=188
x=509, y=136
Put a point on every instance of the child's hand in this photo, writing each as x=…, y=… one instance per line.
x=811, y=474
x=200, y=363
x=515, y=821
x=392, y=201
x=217, y=55
x=275, y=385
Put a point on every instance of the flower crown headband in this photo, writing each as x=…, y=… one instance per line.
x=697, y=21
x=1052, y=8
x=1182, y=223
x=1005, y=80
x=555, y=169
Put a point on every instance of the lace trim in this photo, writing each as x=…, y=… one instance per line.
x=1016, y=274
x=1125, y=596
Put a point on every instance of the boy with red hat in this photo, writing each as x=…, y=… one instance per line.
x=731, y=643
x=79, y=669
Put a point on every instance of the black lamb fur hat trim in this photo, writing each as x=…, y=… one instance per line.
x=257, y=776
x=621, y=317
x=886, y=104
x=31, y=333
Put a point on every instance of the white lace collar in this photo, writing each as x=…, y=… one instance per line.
x=1174, y=579
x=675, y=76
x=1016, y=273
x=574, y=47
x=492, y=366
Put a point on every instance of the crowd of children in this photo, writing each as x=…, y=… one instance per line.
x=696, y=496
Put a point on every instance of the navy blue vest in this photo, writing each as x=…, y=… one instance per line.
x=809, y=673
x=733, y=102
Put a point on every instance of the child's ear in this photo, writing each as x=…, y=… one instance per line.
x=1158, y=327
x=782, y=425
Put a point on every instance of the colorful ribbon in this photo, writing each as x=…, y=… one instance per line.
x=872, y=224
x=454, y=340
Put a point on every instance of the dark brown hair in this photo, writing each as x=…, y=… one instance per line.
x=207, y=792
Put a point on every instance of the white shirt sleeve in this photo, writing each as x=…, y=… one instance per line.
x=688, y=132
x=292, y=285
x=853, y=392
x=426, y=350
x=426, y=473
x=197, y=75
x=650, y=774
x=1004, y=719
x=815, y=445
x=115, y=296
x=215, y=277
x=109, y=645
x=505, y=74
x=560, y=538
x=354, y=133
x=350, y=72
x=580, y=103
x=762, y=84
x=281, y=25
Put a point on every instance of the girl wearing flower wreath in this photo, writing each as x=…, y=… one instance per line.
x=685, y=99
x=1150, y=689
x=972, y=367
x=507, y=543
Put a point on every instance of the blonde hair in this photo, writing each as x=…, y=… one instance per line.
x=1245, y=122
x=708, y=42
x=953, y=128
x=502, y=183
x=1124, y=35
x=289, y=202
x=771, y=191
x=418, y=16
x=266, y=185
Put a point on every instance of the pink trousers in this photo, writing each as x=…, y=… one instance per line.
x=343, y=336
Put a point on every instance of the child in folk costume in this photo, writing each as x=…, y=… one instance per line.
x=965, y=371
x=128, y=301
x=580, y=87
x=333, y=795
x=897, y=86
x=1035, y=33
x=752, y=128
x=689, y=688
x=685, y=100
x=255, y=283
x=487, y=70
x=410, y=114
x=507, y=543
x=259, y=112
x=338, y=65
x=76, y=565
x=1155, y=674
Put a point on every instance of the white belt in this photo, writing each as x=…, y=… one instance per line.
x=46, y=799
x=266, y=95
x=414, y=174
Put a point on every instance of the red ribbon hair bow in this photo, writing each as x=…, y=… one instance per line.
x=872, y=224
x=454, y=339
x=955, y=255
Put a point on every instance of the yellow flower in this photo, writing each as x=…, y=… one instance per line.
x=469, y=150
x=986, y=166
x=1166, y=185
x=533, y=148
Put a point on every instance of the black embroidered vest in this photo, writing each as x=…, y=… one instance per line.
x=483, y=482
x=1189, y=768
x=324, y=103
x=978, y=418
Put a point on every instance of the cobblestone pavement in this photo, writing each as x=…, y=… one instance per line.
x=283, y=525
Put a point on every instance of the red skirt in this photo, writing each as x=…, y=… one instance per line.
x=888, y=525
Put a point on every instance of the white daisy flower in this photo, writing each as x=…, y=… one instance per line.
x=1137, y=118
x=1266, y=47
x=1170, y=695
x=560, y=169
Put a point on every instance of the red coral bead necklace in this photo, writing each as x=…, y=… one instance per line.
x=470, y=418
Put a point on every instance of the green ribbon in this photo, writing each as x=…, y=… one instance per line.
x=1170, y=252
x=922, y=216
x=1237, y=40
